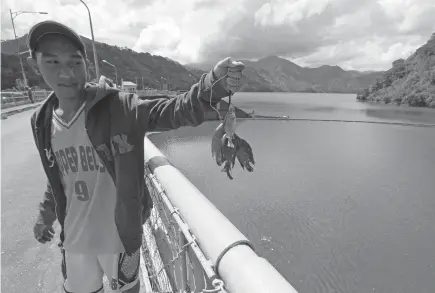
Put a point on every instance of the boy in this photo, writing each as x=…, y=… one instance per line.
x=90, y=140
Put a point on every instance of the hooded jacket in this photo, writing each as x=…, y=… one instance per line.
x=116, y=123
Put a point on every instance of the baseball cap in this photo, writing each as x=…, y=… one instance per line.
x=52, y=27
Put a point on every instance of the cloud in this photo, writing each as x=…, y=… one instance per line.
x=362, y=35
x=161, y=38
x=282, y=12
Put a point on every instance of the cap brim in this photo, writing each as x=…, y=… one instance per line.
x=51, y=27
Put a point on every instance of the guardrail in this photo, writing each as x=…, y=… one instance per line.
x=189, y=245
x=154, y=92
x=17, y=98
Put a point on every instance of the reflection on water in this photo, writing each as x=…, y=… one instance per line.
x=335, y=207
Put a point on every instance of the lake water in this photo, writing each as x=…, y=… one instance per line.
x=334, y=206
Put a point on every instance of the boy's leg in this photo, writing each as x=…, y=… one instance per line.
x=123, y=270
x=83, y=273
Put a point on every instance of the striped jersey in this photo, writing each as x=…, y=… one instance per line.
x=90, y=191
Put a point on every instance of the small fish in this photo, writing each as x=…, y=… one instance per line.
x=227, y=145
x=228, y=152
x=230, y=126
x=244, y=154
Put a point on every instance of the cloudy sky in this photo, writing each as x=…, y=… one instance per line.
x=354, y=34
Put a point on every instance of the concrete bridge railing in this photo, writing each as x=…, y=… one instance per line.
x=190, y=246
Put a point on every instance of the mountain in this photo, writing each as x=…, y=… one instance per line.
x=269, y=74
x=273, y=73
x=130, y=65
x=195, y=72
x=409, y=82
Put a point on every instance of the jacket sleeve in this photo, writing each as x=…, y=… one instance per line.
x=187, y=109
x=47, y=208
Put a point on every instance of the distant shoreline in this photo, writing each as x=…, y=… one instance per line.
x=291, y=92
x=403, y=105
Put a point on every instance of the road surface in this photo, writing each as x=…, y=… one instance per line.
x=27, y=266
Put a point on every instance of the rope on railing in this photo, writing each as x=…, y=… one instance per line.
x=175, y=249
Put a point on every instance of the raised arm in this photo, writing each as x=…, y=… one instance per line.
x=188, y=109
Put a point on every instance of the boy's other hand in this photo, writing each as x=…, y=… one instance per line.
x=43, y=233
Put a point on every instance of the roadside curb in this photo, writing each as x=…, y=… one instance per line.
x=6, y=113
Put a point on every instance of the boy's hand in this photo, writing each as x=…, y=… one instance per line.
x=43, y=233
x=233, y=68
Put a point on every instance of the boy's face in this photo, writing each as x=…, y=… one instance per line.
x=62, y=65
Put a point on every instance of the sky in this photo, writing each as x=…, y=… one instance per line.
x=353, y=34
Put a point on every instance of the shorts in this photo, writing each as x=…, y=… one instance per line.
x=84, y=272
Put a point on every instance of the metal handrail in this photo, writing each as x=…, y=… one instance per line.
x=231, y=253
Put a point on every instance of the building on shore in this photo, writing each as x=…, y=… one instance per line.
x=128, y=86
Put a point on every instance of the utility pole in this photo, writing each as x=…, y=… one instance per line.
x=13, y=15
x=94, y=49
x=97, y=67
x=116, y=70
x=18, y=51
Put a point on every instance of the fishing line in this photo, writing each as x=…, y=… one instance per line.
x=280, y=118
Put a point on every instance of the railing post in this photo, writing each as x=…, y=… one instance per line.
x=183, y=262
x=160, y=280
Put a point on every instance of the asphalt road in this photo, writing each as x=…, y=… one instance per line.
x=26, y=265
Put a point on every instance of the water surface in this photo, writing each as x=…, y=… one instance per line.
x=334, y=206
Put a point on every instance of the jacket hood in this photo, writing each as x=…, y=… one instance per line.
x=95, y=92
